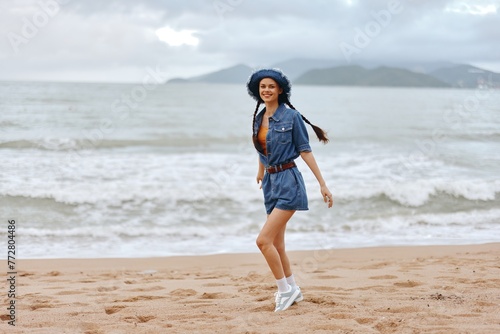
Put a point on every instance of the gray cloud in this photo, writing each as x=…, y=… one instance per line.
x=116, y=41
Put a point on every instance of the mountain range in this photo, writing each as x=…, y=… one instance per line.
x=331, y=72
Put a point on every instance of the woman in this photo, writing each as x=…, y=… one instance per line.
x=280, y=136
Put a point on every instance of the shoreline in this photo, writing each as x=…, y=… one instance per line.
x=245, y=254
x=394, y=289
x=256, y=251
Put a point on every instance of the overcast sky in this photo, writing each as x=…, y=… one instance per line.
x=118, y=40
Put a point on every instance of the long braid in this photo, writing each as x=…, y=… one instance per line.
x=254, y=135
x=319, y=132
x=254, y=116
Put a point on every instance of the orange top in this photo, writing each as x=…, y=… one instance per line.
x=261, y=137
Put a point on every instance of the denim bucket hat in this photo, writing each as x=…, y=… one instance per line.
x=275, y=74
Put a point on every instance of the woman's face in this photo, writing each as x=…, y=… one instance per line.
x=269, y=90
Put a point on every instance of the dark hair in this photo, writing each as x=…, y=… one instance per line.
x=256, y=143
x=282, y=98
x=317, y=130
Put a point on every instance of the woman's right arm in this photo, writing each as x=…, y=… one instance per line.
x=260, y=173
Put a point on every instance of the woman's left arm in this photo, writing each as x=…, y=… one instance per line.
x=309, y=159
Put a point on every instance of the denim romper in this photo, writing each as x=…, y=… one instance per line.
x=286, y=138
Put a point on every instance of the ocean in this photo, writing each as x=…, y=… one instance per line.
x=123, y=170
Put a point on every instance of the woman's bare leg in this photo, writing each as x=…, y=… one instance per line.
x=275, y=224
x=279, y=244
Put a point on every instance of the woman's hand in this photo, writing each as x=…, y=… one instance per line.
x=327, y=195
x=311, y=162
x=260, y=173
x=259, y=178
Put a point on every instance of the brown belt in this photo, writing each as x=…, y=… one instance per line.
x=280, y=168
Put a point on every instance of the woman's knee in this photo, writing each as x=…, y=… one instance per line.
x=262, y=242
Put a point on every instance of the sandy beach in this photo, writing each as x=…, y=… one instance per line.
x=428, y=289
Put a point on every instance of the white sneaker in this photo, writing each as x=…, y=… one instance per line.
x=299, y=298
x=285, y=299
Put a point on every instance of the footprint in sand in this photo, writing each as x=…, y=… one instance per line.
x=215, y=295
x=41, y=305
x=325, y=301
x=114, y=309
